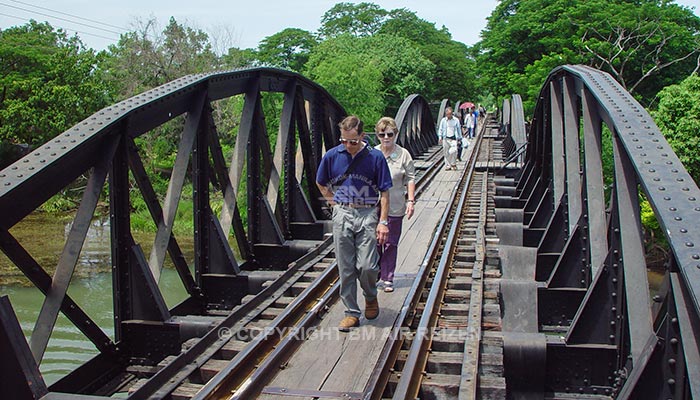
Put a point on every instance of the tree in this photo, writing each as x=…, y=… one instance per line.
x=644, y=44
x=239, y=58
x=678, y=117
x=146, y=58
x=288, y=48
x=455, y=72
x=355, y=83
x=358, y=20
x=48, y=82
x=519, y=33
x=402, y=70
x=405, y=23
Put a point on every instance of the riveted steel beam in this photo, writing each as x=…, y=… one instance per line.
x=591, y=251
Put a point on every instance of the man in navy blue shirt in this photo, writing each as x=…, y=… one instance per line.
x=353, y=178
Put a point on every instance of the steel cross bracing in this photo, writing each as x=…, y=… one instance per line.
x=285, y=219
x=573, y=239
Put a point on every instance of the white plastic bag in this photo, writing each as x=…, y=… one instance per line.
x=453, y=147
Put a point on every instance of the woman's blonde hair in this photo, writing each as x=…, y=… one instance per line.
x=385, y=122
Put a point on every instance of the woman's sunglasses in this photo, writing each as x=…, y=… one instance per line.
x=386, y=134
x=351, y=141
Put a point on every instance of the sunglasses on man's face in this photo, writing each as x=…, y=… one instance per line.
x=386, y=134
x=350, y=141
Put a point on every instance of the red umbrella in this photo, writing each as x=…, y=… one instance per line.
x=466, y=105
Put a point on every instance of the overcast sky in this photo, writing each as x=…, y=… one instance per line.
x=233, y=23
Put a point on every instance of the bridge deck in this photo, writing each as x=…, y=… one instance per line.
x=343, y=362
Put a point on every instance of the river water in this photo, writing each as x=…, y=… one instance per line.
x=91, y=288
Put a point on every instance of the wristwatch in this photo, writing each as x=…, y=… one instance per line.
x=384, y=222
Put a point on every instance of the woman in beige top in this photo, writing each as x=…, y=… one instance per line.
x=403, y=183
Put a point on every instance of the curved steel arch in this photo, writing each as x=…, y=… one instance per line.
x=283, y=211
x=517, y=121
x=505, y=114
x=590, y=249
x=513, y=129
x=59, y=161
x=416, y=126
x=441, y=112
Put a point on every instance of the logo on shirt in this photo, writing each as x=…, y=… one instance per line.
x=367, y=194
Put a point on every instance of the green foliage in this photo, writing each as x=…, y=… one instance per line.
x=529, y=83
x=354, y=83
x=288, y=49
x=357, y=20
x=59, y=203
x=455, y=75
x=238, y=58
x=227, y=116
x=608, y=161
x=370, y=74
x=142, y=221
x=678, y=117
x=48, y=82
x=655, y=243
x=655, y=236
x=146, y=58
x=645, y=44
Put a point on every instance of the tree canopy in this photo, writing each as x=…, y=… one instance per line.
x=288, y=48
x=455, y=74
x=369, y=58
x=146, y=57
x=369, y=74
x=363, y=19
x=48, y=82
x=644, y=44
x=678, y=117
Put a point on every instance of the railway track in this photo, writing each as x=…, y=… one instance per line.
x=241, y=347
x=447, y=343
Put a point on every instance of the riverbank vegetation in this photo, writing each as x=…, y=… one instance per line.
x=367, y=57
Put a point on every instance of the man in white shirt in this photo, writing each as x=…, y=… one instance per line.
x=449, y=132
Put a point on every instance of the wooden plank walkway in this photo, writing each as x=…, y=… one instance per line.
x=334, y=362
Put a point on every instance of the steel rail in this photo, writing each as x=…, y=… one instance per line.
x=277, y=340
x=409, y=382
x=431, y=172
x=468, y=386
x=287, y=345
x=167, y=379
x=382, y=370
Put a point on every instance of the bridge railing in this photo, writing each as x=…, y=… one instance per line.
x=283, y=210
x=581, y=212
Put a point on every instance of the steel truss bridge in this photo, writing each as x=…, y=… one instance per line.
x=545, y=217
